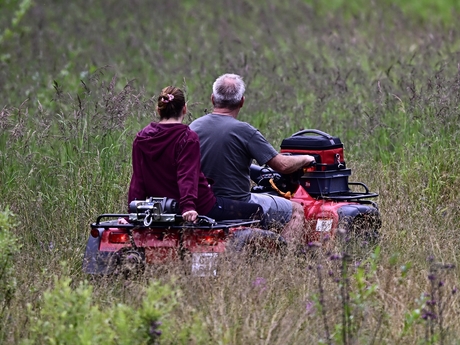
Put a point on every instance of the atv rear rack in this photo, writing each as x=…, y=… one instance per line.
x=202, y=223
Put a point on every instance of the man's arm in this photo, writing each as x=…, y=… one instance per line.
x=289, y=164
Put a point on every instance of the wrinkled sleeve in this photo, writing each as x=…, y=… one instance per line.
x=260, y=148
x=136, y=186
x=188, y=172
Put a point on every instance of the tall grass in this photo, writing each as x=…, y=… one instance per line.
x=78, y=80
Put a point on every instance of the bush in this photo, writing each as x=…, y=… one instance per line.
x=70, y=316
x=8, y=247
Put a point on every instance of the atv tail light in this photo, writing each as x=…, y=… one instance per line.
x=117, y=237
x=207, y=240
x=210, y=239
x=309, y=169
x=94, y=232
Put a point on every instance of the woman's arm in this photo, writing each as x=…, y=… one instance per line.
x=188, y=172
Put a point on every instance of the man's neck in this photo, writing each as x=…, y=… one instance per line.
x=226, y=112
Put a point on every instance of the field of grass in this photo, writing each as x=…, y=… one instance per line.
x=78, y=79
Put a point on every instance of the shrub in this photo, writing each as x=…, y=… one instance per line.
x=8, y=247
x=70, y=316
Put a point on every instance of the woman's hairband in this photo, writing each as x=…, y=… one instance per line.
x=168, y=98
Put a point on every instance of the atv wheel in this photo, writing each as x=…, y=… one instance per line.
x=256, y=242
x=129, y=263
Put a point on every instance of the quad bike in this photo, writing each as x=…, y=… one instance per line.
x=154, y=233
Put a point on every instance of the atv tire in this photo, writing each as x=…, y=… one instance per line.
x=256, y=242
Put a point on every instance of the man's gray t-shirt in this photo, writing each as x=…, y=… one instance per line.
x=228, y=147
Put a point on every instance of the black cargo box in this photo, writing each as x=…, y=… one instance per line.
x=326, y=182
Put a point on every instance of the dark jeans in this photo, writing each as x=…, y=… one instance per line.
x=234, y=209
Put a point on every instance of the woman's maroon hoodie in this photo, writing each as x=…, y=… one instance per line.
x=166, y=163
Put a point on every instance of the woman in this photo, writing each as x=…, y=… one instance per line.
x=166, y=163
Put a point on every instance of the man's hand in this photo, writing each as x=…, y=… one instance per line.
x=190, y=216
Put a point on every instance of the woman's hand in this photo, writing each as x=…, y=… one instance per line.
x=122, y=221
x=190, y=216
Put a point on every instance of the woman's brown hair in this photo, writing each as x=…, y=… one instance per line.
x=170, y=102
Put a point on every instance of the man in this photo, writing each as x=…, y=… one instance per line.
x=228, y=147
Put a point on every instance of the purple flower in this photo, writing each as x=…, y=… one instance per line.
x=426, y=315
x=431, y=302
x=310, y=307
x=334, y=257
x=259, y=283
x=154, y=331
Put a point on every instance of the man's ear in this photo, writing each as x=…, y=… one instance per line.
x=212, y=99
x=242, y=102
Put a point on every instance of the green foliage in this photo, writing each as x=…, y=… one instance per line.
x=71, y=316
x=20, y=8
x=357, y=289
x=418, y=10
x=413, y=317
x=9, y=246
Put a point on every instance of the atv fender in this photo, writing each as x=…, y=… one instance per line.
x=94, y=261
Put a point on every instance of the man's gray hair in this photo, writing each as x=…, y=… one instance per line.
x=228, y=90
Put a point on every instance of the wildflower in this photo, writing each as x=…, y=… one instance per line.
x=334, y=257
x=310, y=307
x=426, y=314
x=314, y=244
x=431, y=302
x=260, y=283
x=154, y=331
